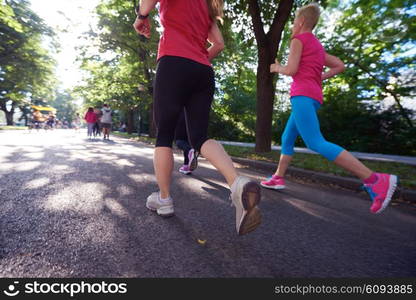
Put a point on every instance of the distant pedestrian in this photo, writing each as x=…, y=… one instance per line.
x=38, y=119
x=76, y=123
x=90, y=117
x=97, y=125
x=106, y=121
x=50, y=123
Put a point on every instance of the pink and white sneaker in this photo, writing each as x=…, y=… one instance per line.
x=381, y=191
x=274, y=182
x=185, y=170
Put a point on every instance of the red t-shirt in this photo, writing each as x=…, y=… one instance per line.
x=90, y=117
x=186, y=26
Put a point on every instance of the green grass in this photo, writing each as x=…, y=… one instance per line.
x=13, y=127
x=312, y=162
x=135, y=137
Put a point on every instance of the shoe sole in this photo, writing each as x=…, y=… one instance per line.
x=160, y=214
x=251, y=217
x=276, y=187
x=251, y=220
x=185, y=172
x=392, y=187
x=193, y=162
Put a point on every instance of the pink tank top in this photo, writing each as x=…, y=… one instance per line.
x=308, y=79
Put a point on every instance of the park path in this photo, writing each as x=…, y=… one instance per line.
x=70, y=207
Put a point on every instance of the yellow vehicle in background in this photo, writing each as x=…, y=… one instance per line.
x=41, y=120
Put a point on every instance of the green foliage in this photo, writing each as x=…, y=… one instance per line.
x=379, y=60
x=122, y=74
x=379, y=66
x=66, y=108
x=26, y=66
x=233, y=116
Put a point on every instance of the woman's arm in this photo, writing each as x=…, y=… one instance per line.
x=216, y=40
x=146, y=6
x=292, y=66
x=142, y=26
x=335, y=65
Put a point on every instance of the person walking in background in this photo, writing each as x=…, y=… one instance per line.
x=90, y=117
x=38, y=119
x=185, y=80
x=51, y=120
x=306, y=62
x=76, y=123
x=97, y=124
x=106, y=121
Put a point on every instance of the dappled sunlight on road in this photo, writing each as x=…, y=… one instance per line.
x=37, y=183
x=62, y=169
x=115, y=207
x=34, y=155
x=208, y=189
x=20, y=167
x=73, y=198
x=310, y=208
x=141, y=178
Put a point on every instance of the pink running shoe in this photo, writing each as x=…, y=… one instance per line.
x=381, y=191
x=185, y=170
x=274, y=182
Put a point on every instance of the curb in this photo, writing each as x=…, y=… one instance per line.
x=345, y=182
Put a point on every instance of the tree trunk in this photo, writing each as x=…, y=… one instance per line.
x=265, y=99
x=9, y=117
x=152, y=125
x=8, y=113
x=267, y=45
x=130, y=121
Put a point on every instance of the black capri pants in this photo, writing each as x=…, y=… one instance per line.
x=180, y=84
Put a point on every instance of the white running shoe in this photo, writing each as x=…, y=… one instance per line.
x=162, y=208
x=245, y=195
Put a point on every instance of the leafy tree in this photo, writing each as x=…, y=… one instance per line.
x=125, y=78
x=65, y=106
x=372, y=38
x=379, y=67
x=26, y=67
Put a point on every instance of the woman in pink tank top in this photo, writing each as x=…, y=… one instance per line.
x=306, y=62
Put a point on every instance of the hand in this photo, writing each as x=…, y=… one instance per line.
x=274, y=68
x=142, y=26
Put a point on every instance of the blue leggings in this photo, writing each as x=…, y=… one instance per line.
x=304, y=121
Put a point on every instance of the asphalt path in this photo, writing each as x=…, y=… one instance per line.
x=71, y=207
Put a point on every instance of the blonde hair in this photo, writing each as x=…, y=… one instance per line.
x=311, y=13
x=215, y=8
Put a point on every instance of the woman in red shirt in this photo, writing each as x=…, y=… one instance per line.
x=90, y=117
x=185, y=80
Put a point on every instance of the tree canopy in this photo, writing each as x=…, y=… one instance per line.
x=26, y=65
